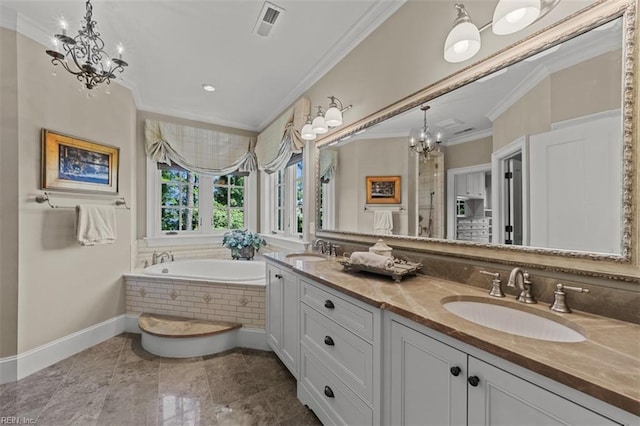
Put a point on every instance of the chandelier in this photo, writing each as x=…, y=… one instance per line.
x=88, y=61
x=422, y=142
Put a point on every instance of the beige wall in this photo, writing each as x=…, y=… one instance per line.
x=8, y=194
x=64, y=287
x=141, y=159
x=467, y=154
x=356, y=161
x=589, y=87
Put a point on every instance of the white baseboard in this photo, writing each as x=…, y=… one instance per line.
x=8, y=369
x=253, y=338
x=18, y=367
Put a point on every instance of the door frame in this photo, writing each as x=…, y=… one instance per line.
x=520, y=145
x=452, y=196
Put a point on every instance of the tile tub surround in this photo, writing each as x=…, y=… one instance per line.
x=236, y=303
x=118, y=383
x=611, y=348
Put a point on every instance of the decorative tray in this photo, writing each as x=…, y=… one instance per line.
x=400, y=269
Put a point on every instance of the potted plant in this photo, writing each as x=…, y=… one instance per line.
x=243, y=244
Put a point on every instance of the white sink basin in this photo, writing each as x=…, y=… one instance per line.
x=306, y=256
x=514, y=321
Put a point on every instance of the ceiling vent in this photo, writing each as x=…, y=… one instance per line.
x=267, y=19
x=463, y=131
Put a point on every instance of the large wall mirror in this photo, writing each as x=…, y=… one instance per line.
x=530, y=152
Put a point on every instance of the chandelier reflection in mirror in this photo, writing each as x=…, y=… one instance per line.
x=509, y=16
x=422, y=142
x=84, y=54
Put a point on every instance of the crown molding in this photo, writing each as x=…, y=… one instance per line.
x=469, y=137
x=376, y=15
x=8, y=18
x=530, y=81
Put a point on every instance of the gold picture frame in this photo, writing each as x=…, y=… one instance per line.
x=77, y=165
x=383, y=189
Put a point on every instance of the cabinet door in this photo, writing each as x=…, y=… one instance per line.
x=461, y=185
x=423, y=390
x=500, y=398
x=290, y=340
x=274, y=308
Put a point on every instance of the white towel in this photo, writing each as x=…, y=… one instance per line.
x=96, y=225
x=371, y=259
x=382, y=222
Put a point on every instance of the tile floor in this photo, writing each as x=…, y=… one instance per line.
x=117, y=383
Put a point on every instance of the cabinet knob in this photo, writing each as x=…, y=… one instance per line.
x=328, y=392
x=328, y=341
x=278, y=276
x=473, y=381
x=455, y=371
x=329, y=304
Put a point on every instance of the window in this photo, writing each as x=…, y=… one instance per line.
x=179, y=201
x=228, y=202
x=287, y=190
x=193, y=204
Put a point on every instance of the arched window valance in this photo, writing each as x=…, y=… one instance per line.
x=328, y=164
x=199, y=150
x=281, y=139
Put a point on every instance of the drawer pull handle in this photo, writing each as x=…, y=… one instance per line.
x=473, y=381
x=278, y=276
x=328, y=392
x=329, y=304
x=455, y=371
x=328, y=341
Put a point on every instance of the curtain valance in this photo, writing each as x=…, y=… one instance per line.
x=281, y=139
x=328, y=164
x=199, y=150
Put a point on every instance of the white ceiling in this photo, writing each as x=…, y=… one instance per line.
x=173, y=47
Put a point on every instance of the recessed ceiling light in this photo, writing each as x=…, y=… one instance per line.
x=208, y=87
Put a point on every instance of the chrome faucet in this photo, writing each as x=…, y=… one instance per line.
x=521, y=278
x=319, y=242
x=160, y=257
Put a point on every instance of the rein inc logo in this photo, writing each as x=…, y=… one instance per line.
x=13, y=420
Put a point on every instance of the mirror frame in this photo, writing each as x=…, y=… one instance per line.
x=621, y=267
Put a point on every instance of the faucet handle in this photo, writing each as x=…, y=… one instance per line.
x=496, y=285
x=560, y=300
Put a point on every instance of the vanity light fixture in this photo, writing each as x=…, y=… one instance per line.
x=87, y=59
x=324, y=119
x=509, y=16
x=422, y=142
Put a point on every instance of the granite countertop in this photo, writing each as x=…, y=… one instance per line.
x=605, y=366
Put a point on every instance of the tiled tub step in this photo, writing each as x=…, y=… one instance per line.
x=176, y=337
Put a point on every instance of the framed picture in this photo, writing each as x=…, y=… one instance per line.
x=383, y=189
x=71, y=164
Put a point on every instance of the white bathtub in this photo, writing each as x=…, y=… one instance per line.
x=212, y=270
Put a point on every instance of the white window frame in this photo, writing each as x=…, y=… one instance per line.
x=156, y=237
x=290, y=202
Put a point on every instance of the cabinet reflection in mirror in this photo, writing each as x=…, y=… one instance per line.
x=531, y=155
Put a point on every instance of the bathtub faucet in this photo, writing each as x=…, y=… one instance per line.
x=160, y=257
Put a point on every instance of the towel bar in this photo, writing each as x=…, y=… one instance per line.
x=45, y=198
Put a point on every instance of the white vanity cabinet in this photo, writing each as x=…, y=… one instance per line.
x=282, y=313
x=340, y=365
x=429, y=382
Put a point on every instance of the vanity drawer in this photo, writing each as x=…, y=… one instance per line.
x=347, y=314
x=336, y=400
x=347, y=355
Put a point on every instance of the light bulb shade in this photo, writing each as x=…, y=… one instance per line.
x=333, y=117
x=319, y=126
x=511, y=16
x=307, y=133
x=462, y=43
